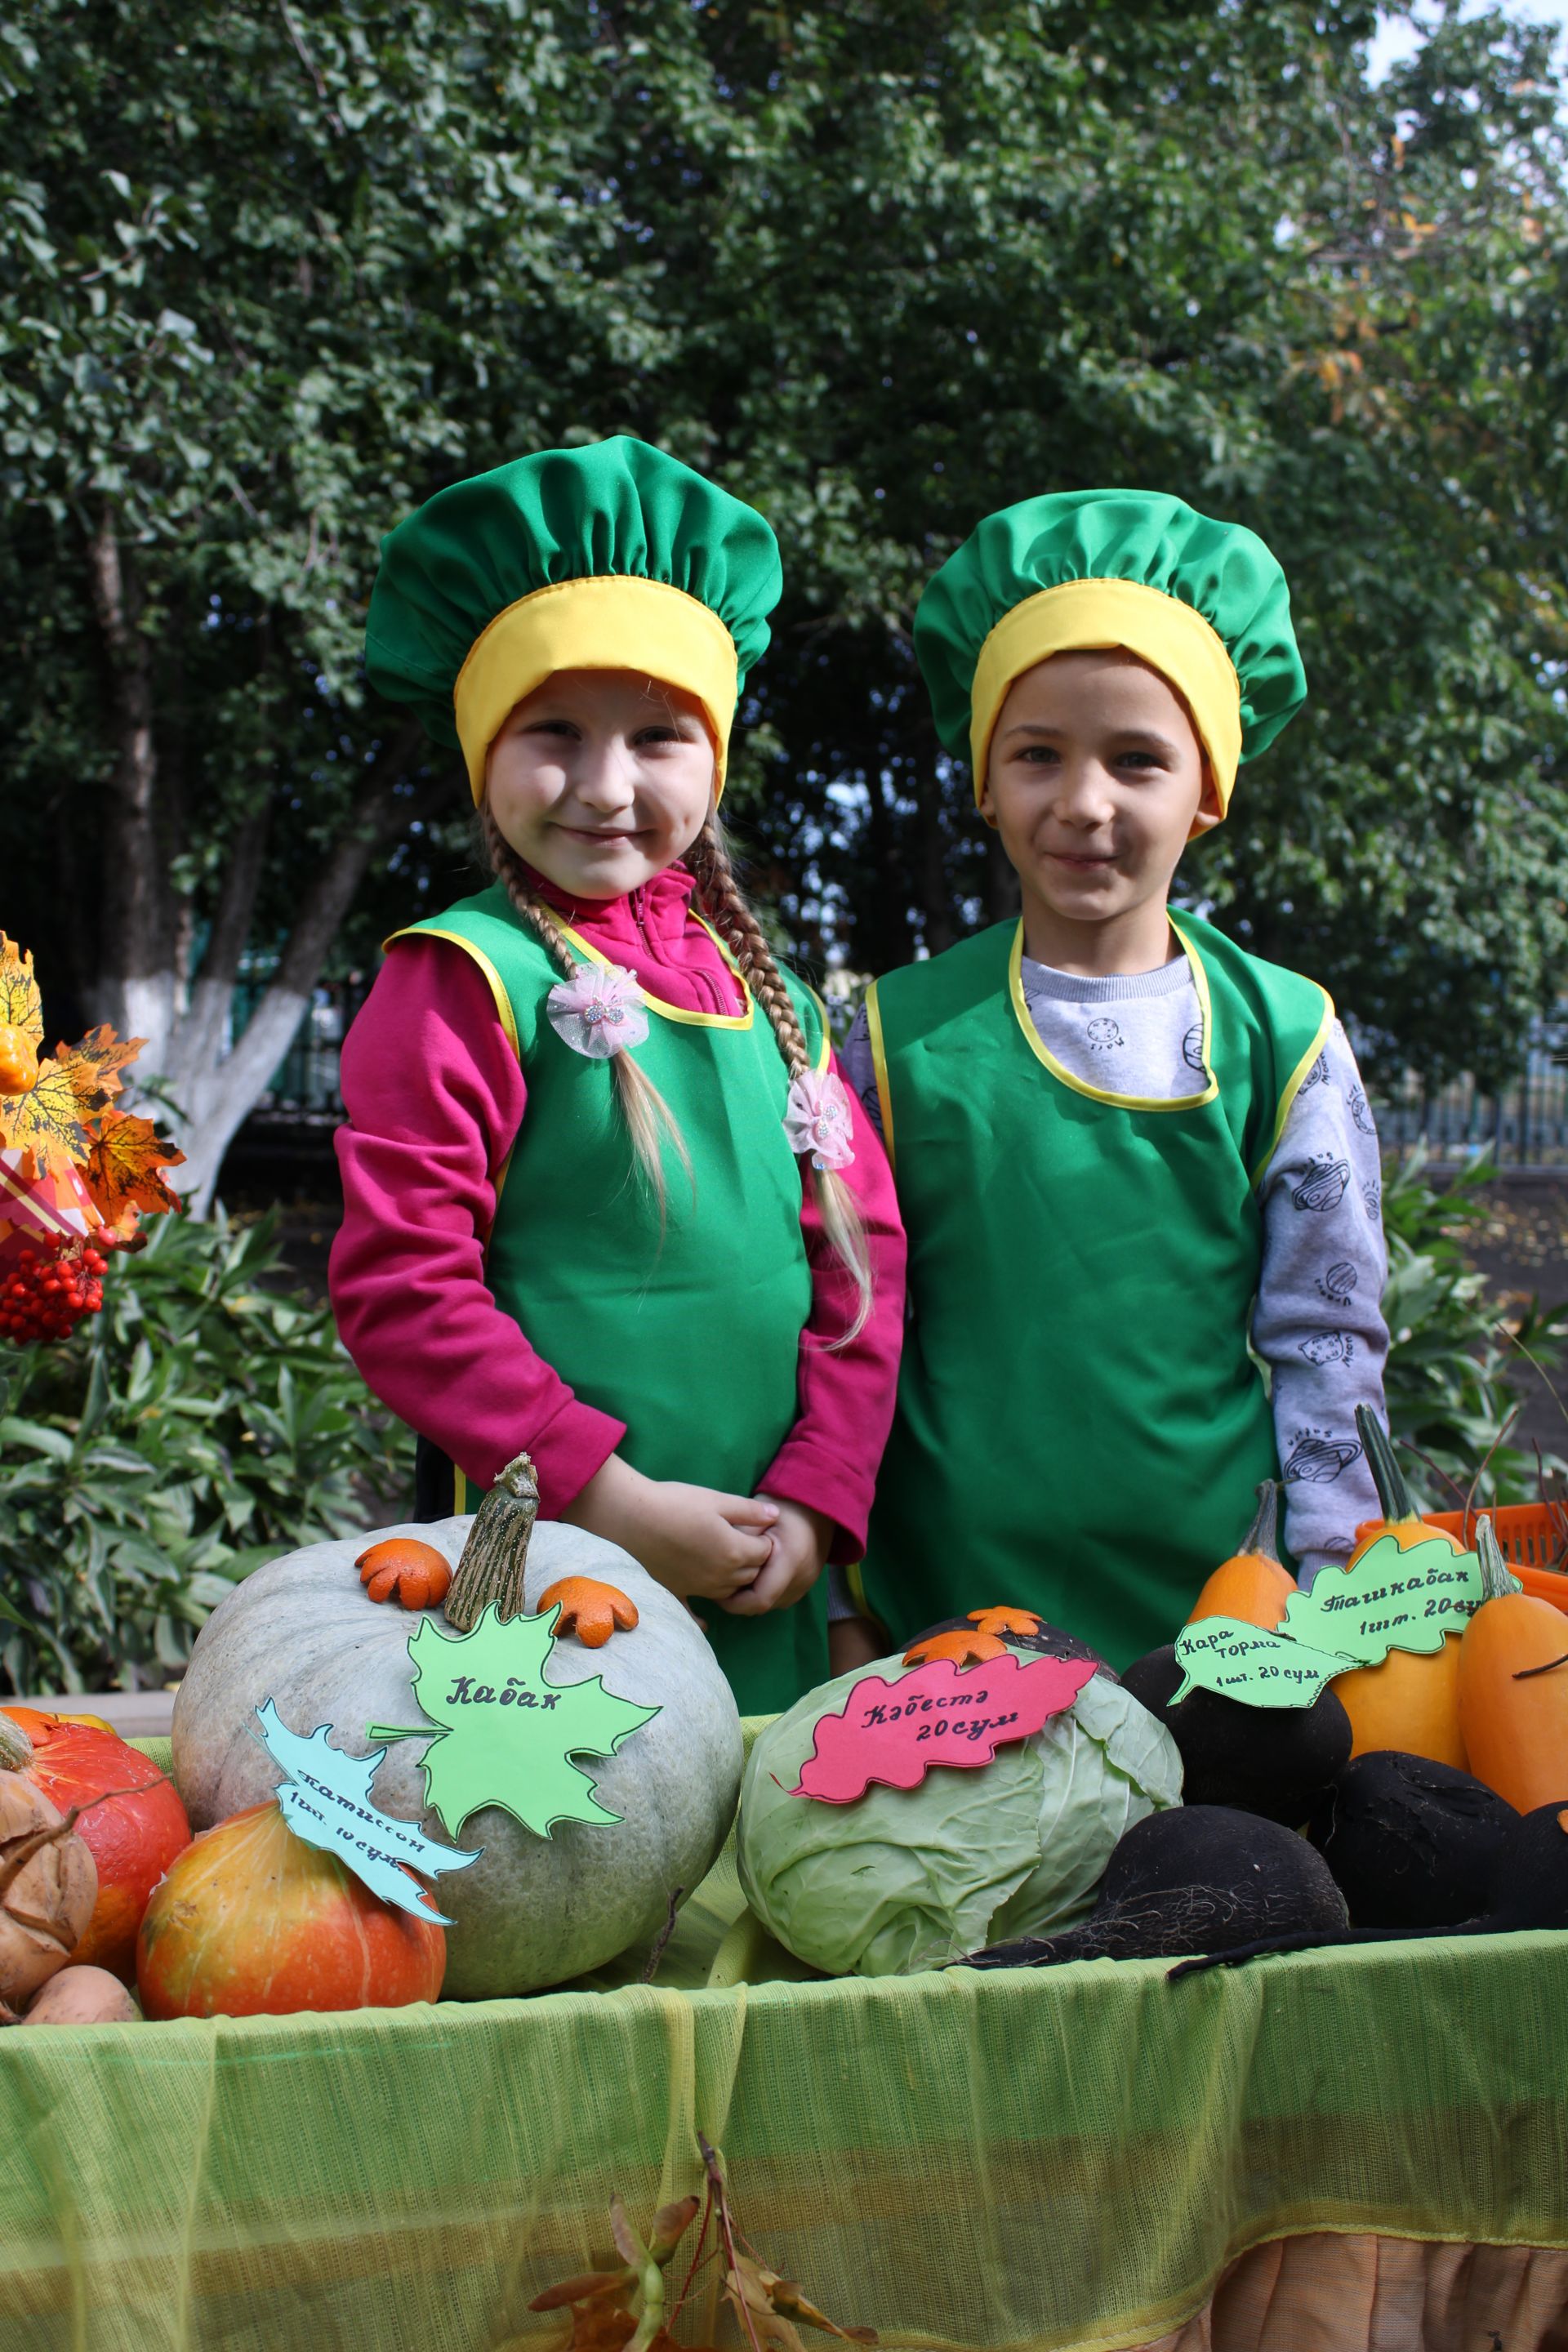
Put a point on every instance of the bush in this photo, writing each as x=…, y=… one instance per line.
x=1450, y=1361
x=206, y=1420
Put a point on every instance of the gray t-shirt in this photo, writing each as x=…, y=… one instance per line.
x=1318, y=1323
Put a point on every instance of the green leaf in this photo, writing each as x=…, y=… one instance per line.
x=506, y=1733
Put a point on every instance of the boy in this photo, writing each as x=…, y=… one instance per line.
x=1121, y=1144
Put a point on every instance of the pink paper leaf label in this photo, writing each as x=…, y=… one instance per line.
x=940, y=1714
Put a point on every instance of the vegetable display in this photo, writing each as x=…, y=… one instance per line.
x=535, y=1909
x=912, y=1878
x=132, y=1819
x=252, y=1922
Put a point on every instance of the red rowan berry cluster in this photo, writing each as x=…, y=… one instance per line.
x=48, y=1286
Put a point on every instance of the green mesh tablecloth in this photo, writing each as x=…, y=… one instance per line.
x=995, y=2160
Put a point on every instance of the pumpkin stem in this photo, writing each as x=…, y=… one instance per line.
x=1262, y=1537
x=1528, y=1674
x=1498, y=1579
x=15, y=1747
x=495, y=1556
x=1387, y=1477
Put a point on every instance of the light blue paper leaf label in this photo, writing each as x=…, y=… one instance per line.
x=326, y=1801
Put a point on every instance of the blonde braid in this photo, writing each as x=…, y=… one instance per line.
x=649, y=1120
x=723, y=901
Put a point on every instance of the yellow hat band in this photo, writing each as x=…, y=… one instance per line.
x=1090, y=615
x=617, y=621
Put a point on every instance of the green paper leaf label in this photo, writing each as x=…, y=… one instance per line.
x=1250, y=1663
x=1392, y=1598
x=504, y=1734
x=326, y=1801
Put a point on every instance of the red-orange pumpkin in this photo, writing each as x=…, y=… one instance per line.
x=132, y=1838
x=253, y=1922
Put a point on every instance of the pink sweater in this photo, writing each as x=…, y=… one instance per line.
x=435, y=1097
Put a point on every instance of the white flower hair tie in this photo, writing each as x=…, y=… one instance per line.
x=817, y=1118
x=598, y=1011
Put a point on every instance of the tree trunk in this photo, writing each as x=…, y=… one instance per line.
x=217, y=1089
x=141, y=983
x=135, y=989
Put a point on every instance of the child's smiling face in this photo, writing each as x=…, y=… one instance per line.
x=1095, y=782
x=600, y=779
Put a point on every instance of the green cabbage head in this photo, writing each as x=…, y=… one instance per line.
x=910, y=1878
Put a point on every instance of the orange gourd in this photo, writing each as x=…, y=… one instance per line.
x=133, y=1824
x=1254, y=1585
x=1409, y=1702
x=252, y=1922
x=402, y=1568
x=1513, y=1688
x=591, y=1609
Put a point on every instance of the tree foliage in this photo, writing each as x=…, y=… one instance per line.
x=880, y=269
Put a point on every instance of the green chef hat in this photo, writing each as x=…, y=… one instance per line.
x=610, y=557
x=1203, y=603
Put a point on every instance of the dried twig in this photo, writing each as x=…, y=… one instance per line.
x=661, y=1941
x=1506, y=1425
x=727, y=2232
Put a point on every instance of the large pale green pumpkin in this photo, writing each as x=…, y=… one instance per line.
x=533, y=1911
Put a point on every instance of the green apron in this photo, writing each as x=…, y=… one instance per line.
x=1080, y=1426
x=692, y=1337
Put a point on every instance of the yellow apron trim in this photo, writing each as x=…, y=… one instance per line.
x=1294, y=1084
x=497, y=990
x=459, y=1492
x=879, y=1062
x=1097, y=1094
x=855, y=1585
x=825, y=1054
x=1081, y=615
x=677, y=1012
x=617, y=621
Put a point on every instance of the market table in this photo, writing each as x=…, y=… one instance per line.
x=1072, y=2158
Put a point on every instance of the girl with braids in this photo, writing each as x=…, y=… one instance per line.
x=605, y=1196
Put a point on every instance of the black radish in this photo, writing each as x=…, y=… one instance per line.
x=1274, y=1761
x=1411, y=1843
x=1195, y=1878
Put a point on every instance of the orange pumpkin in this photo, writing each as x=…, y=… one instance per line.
x=402, y=1568
x=253, y=1922
x=1409, y=1702
x=1513, y=1688
x=1254, y=1585
x=133, y=1835
x=18, y=1060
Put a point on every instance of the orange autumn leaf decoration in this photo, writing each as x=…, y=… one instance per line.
x=404, y=1569
x=1005, y=1621
x=21, y=1006
x=590, y=1609
x=124, y=1168
x=49, y=1121
x=964, y=1649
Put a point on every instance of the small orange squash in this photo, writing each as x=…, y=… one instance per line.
x=1254, y=1585
x=1409, y=1702
x=1513, y=1688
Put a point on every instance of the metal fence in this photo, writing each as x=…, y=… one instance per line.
x=1524, y=1126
